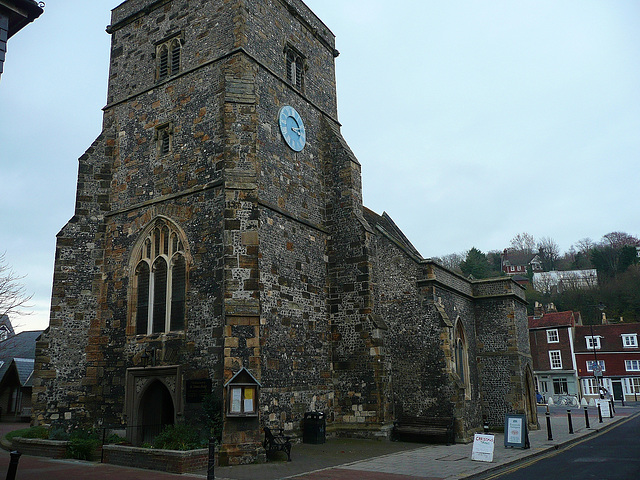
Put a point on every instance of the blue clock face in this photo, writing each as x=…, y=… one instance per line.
x=292, y=128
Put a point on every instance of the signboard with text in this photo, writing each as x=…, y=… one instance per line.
x=515, y=431
x=483, y=447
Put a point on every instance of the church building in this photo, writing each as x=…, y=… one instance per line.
x=220, y=245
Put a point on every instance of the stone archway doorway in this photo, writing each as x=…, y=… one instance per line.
x=153, y=399
x=155, y=411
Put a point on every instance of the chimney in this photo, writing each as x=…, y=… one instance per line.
x=538, y=310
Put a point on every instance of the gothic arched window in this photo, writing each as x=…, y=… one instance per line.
x=160, y=281
x=461, y=357
x=168, y=58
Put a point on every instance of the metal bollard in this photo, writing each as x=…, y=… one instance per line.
x=13, y=465
x=623, y=399
x=586, y=417
x=570, y=422
x=599, y=414
x=212, y=460
x=611, y=410
x=549, y=433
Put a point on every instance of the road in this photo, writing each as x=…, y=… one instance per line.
x=613, y=455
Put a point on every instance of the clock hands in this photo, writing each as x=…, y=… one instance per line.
x=297, y=130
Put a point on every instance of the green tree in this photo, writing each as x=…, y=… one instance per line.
x=475, y=264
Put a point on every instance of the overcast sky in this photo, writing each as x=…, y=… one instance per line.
x=473, y=120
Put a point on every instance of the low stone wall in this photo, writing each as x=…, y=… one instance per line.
x=171, y=461
x=40, y=447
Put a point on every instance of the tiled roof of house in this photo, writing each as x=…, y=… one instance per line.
x=518, y=258
x=610, y=336
x=553, y=319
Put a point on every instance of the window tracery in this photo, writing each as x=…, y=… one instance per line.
x=160, y=279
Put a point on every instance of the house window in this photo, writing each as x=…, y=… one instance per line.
x=593, y=343
x=555, y=359
x=591, y=364
x=632, y=385
x=294, y=62
x=168, y=58
x=590, y=386
x=164, y=138
x=560, y=386
x=552, y=336
x=630, y=340
x=632, y=365
x=160, y=281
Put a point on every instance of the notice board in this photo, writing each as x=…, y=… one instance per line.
x=516, y=433
x=483, y=446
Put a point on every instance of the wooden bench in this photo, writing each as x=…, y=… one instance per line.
x=274, y=443
x=427, y=428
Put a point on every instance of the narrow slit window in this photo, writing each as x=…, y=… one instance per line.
x=294, y=64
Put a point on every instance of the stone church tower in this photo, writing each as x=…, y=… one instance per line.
x=219, y=243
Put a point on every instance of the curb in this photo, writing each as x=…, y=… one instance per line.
x=555, y=448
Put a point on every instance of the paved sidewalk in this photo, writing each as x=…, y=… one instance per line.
x=425, y=462
x=341, y=459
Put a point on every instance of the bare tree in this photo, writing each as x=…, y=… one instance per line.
x=13, y=298
x=585, y=245
x=523, y=242
x=451, y=261
x=619, y=240
x=549, y=252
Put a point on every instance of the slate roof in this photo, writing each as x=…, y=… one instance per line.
x=554, y=319
x=24, y=367
x=21, y=346
x=387, y=225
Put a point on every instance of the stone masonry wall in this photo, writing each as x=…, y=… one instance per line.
x=294, y=325
x=60, y=391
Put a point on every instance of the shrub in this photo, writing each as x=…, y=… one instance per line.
x=83, y=444
x=178, y=437
x=58, y=433
x=31, y=432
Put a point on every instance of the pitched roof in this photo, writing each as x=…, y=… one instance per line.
x=24, y=367
x=6, y=324
x=610, y=336
x=20, y=346
x=518, y=258
x=553, y=319
x=385, y=224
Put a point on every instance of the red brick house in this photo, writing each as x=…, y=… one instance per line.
x=608, y=355
x=516, y=263
x=552, y=348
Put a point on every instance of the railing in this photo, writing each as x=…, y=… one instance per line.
x=133, y=434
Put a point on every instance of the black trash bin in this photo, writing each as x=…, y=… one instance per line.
x=314, y=428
